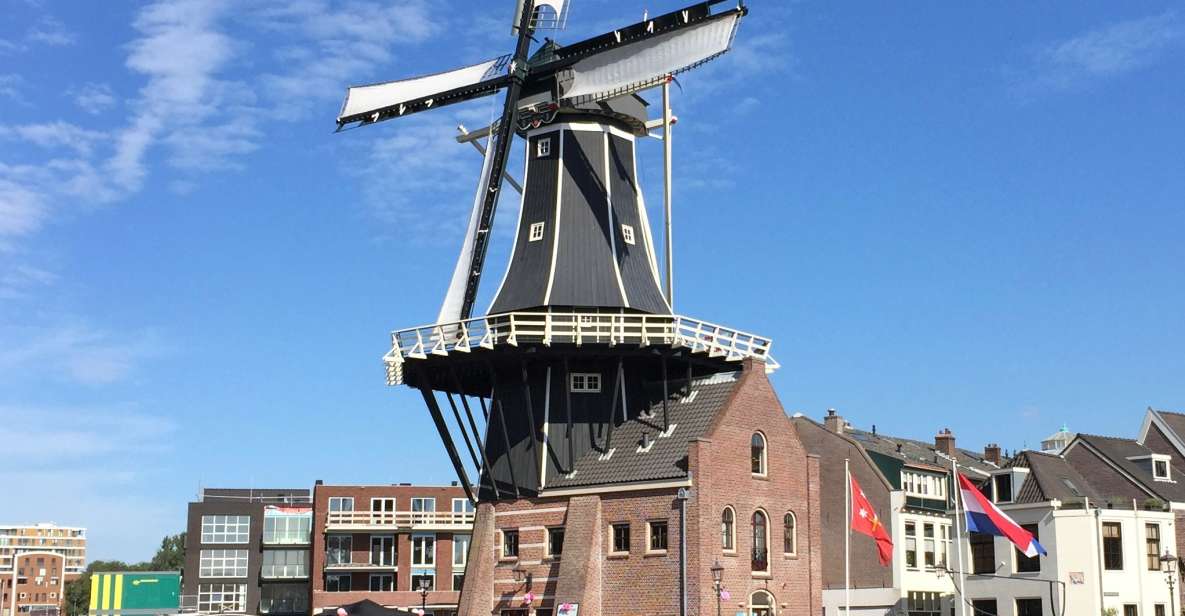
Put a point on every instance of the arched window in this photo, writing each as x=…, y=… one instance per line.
x=790, y=534
x=728, y=531
x=757, y=453
x=761, y=603
x=760, y=541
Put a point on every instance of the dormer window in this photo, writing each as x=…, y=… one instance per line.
x=1003, y=485
x=1160, y=470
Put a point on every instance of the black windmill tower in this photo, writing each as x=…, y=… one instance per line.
x=580, y=337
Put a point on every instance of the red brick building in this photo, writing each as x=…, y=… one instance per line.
x=384, y=542
x=729, y=481
x=36, y=584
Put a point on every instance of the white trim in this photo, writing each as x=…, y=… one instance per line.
x=522, y=202
x=648, y=236
x=531, y=511
x=590, y=127
x=625, y=300
x=546, y=436
x=607, y=489
x=559, y=200
x=764, y=455
x=1153, y=416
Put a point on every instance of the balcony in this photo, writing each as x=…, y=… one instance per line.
x=346, y=567
x=399, y=521
x=547, y=328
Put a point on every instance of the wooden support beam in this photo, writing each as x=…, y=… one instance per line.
x=568, y=411
x=666, y=418
x=501, y=411
x=464, y=431
x=613, y=408
x=442, y=428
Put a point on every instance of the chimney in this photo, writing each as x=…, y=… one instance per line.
x=991, y=453
x=833, y=422
x=944, y=442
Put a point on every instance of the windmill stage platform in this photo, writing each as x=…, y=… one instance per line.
x=530, y=330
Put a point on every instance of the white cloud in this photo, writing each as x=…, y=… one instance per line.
x=69, y=434
x=1111, y=50
x=22, y=211
x=53, y=135
x=94, y=98
x=10, y=86
x=75, y=352
x=50, y=31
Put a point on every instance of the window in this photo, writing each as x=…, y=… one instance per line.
x=728, y=536
x=510, y=544
x=983, y=553
x=287, y=528
x=543, y=147
x=337, y=582
x=284, y=599
x=928, y=545
x=555, y=542
x=985, y=607
x=621, y=538
x=1160, y=469
x=536, y=232
x=462, y=506
x=789, y=534
x=760, y=541
x=226, y=528
x=757, y=453
x=382, y=551
x=337, y=549
x=1112, y=546
x=423, y=550
x=222, y=563
x=1159, y=607
x=585, y=382
x=382, y=582
x=285, y=564
x=459, y=581
x=761, y=603
x=1003, y=485
x=341, y=503
x=658, y=536
x=1152, y=540
x=1024, y=564
x=911, y=545
x=924, y=603
x=627, y=234
x=423, y=578
x=423, y=504
x=460, y=551
x=1131, y=610
x=222, y=598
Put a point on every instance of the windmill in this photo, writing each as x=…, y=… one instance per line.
x=580, y=310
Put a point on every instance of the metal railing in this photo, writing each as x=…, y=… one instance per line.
x=577, y=328
x=410, y=520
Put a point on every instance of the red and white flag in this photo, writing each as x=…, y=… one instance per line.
x=865, y=521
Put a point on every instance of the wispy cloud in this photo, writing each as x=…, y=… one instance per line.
x=70, y=434
x=94, y=98
x=54, y=135
x=50, y=31
x=1104, y=52
x=76, y=352
x=10, y=86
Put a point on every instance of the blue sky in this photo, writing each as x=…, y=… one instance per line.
x=945, y=215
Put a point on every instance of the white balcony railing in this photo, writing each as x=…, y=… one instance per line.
x=399, y=520
x=549, y=328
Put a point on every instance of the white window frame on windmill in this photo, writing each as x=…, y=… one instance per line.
x=627, y=234
x=584, y=382
x=543, y=147
x=536, y=232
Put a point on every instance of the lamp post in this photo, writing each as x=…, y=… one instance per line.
x=1166, y=565
x=717, y=577
x=423, y=597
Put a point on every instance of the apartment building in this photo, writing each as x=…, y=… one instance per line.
x=1105, y=531
x=400, y=546
x=35, y=586
x=247, y=552
x=68, y=541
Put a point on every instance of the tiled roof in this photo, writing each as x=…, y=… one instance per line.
x=1175, y=421
x=918, y=452
x=1118, y=450
x=1051, y=477
x=666, y=459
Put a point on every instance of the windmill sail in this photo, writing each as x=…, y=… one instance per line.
x=454, y=299
x=647, y=62
x=392, y=99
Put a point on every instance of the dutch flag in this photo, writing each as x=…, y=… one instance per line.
x=984, y=517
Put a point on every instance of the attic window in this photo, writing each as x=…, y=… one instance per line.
x=543, y=147
x=585, y=382
x=627, y=233
x=1160, y=470
x=536, y=232
x=1003, y=488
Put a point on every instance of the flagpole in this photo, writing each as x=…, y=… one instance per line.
x=847, y=542
x=957, y=487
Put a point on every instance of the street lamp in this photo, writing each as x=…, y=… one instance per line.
x=717, y=577
x=1166, y=565
x=423, y=597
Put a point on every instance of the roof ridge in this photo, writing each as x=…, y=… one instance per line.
x=1109, y=438
x=1163, y=412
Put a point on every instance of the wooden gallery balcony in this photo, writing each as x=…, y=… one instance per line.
x=406, y=521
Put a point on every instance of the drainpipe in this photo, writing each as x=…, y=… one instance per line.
x=1098, y=538
x=682, y=497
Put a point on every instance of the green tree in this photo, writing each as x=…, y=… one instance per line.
x=169, y=557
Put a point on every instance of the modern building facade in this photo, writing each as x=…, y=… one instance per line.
x=247, y=552
x=36, y=584
x=68, y=541
x=401, y=546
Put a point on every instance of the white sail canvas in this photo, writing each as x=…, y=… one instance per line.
x=366, y=99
